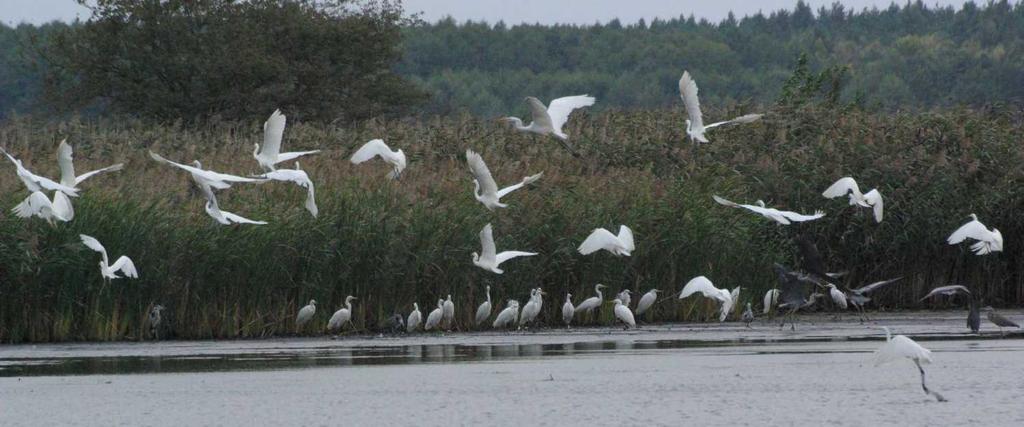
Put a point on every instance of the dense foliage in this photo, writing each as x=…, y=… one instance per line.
x=186, y=59
x=901, y=57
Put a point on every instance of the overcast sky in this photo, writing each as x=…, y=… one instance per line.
x=512, y=12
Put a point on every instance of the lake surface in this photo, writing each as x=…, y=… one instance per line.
x=691, y=374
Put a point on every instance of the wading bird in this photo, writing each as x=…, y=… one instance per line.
x=973, y=310
x=377, y=147
x=107, y=270
x=219, y=181
x=485, y=188
x=987, y=241
x=342, y=316
x=305, y=314
x=449, y=313
x=872, y=199
x=838, y=298
x=155, y=321
x=549, y=120
x=532, y=308
x=705, y=287
x=623, y=314
x=771, y=300
x=300, y=178
x=973, y=316
x=748, y=315
x=38, y=183
x=273, y=133
x=67, y=167
x=625, y=297
x=646, y=301
x=999, y=320
x=507, y=317
x=483, y=312
x=781, y=217
x=568, y=311
x=900, y=347
x=603, y=239
x=588, y=305
x=414, y=318
x=793, y=293
x=859, y=297
x=36, y=204
x=435, y=316
x=488, y=259
x=695, y=127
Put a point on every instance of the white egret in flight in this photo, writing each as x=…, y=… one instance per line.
x=623, y=314
x=987, y=241
x=38, y=183
x=483, y=312
x=486, y=189
x=435, y=316
x=601, y=238
x=67, y=167
x=900, y=347
x=270, y=155
x=107, y=270
x=871, y=199
x=695, y=127
x=549, y=120
x=568, y=311
x=305, y=314
x=213, y=208
x=781, y=217
x=489, y=259
x=507, y=317
x=588, y=305
x=220, y=181
x=377, y=147
x=646, y=301
x=705, y=287
x=36, y=204
x=342, y=316
x=300, y=178
x=414, y=318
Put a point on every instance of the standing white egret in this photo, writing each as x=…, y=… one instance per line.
x=695, y=127
x=485, y=188
x=220, y=181
x=305, y=314
x=900, y=347
x=532, y=308
x=377, y=147
x=838, y=297
x=273, y=133
x=483, y=312
x=67, y=167
x=625, y=297
x=414, y=318
x=987, y=241
x=588, y=305
x=107, y=270
x=568, y=311
x=549, y=120
x=435, y=316
x=38, y=183
x=342, y=316
x=36, y=204
x=781, y=217
x=488, y=259
x=704, y=286
x=871, y=199
x=449, y=313
x=771, y=300
x=601, y=238
x=647, y=301
x=623, y=314
x=300, y=178
x=507, y=317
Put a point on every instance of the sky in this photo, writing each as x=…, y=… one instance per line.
x=13, y=12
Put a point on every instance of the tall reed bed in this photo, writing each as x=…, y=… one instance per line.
x=392, y=243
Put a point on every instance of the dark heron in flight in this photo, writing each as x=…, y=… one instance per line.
x=858, y=297
x=811, y=260
x=793, y=288
x=973, y=317
x=999, y=320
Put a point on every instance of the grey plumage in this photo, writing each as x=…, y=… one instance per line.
x=973, y=317
x=155, y=321
x=748, y=315
x=792, y=292
x=999, y=320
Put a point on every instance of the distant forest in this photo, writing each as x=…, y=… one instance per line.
x=901, y=57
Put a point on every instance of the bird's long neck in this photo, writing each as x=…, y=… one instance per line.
x=488, y=294
x=476, y=190
x=256, y=151
x=598, y=292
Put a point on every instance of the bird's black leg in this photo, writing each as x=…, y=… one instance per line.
x=924, y=387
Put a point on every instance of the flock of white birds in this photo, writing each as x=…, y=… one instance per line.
x=548, y=120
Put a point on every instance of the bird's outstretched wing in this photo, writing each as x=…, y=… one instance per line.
x=375, y=147
x=597, y=240
x=725, y=202
x=626, y=237
x=841, y=187
x=798, y=217
x=974, y=230
x=94, y=244
x=560, y=109
x=112, y=168
x=239, y=220
x=126, y=266
x=948, y=290
x=688, y=92
x=746, y=118
x=206, y=174
x=526, y=181
x=273, y=132
x=41, y=181
x=487, y=248
x=61, y=207
x=481, y=173
x=507, y=255
x=874, y=286
x=874, y=198
x=539, y=112
x=32, y=205
x=705, y=287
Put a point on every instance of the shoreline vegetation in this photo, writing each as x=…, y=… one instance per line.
x=393, y=243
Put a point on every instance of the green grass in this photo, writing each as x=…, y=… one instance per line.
x=392, y=243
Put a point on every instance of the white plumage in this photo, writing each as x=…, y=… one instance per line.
x=414, y=318
x=36, y=204
x=771, y=300
x=342, y=316
x=988, y=241
x=646, y=301
x=847, y=186
x=107, y=270
x=838, y=297
x=305, y=314
x=435, y=316
x=488, y=259
x=220, y=181
x=38, y=183
x=623, y=314
x=486, y=189
x=377, y=148
x=483, y=312
x=781, y=217
x=705, y=287
x=273, y=133
x=588, y=305
x=550, y=120
x=67, y=167
x=507, y=317
x=568, y=311
x=695, y=127
x=600, y=238
x=300, y=178
x=449, y=312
